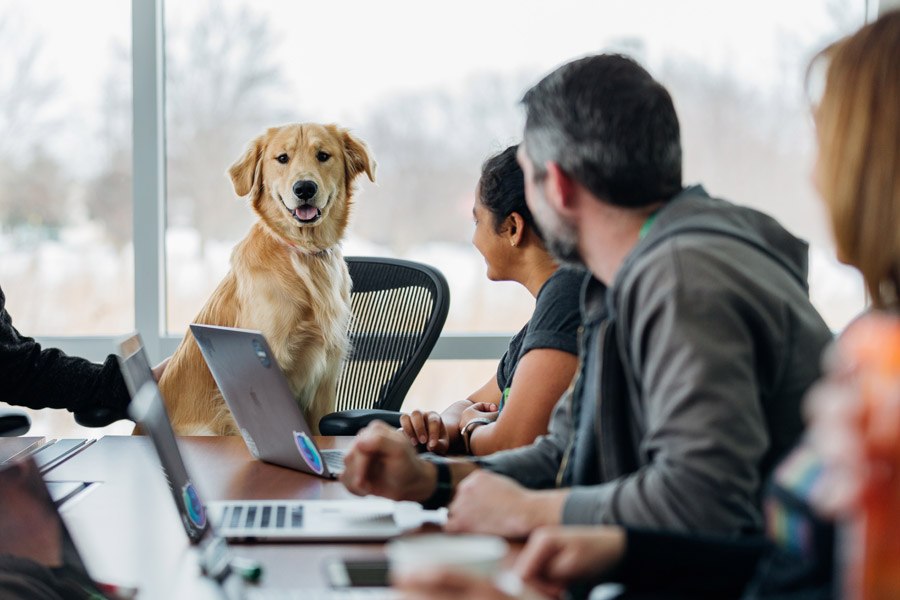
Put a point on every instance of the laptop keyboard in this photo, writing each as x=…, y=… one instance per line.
x=269, y=516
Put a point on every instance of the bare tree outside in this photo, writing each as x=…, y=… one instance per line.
x=34, y=192
x=224, y=86
x=430, y=146
x=108, y=196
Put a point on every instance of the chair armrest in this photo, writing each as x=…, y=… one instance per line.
x=349, y=422
x=98, y=417
x=13, y=422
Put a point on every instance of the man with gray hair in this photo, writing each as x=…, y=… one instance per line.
x=699, y=340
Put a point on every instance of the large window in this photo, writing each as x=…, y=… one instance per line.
x=65, y=167
x=433, y=88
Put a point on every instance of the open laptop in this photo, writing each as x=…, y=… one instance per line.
x=258, y=394
x=368, y=519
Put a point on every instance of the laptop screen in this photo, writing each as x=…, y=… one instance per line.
x=134, y=363
x=148, y=410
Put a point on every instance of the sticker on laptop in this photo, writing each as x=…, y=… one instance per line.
x=309, y=452
x=261, y=354
x=193, y=505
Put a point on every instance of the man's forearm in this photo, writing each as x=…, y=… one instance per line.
x=459, y=469
x=544, y=507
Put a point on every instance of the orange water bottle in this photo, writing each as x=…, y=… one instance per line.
x=872, y=549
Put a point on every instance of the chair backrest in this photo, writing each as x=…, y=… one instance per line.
x=399, y=309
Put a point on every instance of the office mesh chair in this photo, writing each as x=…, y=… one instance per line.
x=399, y=309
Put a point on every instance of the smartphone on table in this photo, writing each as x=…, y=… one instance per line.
x=357, y=572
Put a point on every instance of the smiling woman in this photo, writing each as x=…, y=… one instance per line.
x=514, y=406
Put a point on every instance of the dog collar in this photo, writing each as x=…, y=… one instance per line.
x=303, y=250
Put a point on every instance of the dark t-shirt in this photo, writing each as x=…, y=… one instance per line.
x=554, y=323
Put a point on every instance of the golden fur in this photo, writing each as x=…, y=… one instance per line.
x=288, y=278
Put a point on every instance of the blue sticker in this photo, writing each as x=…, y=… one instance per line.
x=192, y=503
x=309, y=452
x=261, y=354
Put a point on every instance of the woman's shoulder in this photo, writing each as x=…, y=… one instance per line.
x=563, y=288
x=557, y=311
x=568, y=275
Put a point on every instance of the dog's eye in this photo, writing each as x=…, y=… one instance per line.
x=282, y=158
x=323, y=156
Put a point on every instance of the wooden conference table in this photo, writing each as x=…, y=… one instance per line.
x=128, y=532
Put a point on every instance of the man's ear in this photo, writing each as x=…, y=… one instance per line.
x=559, y=187
x=358, y=158
x=245, y=172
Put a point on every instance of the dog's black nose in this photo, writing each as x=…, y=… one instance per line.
x=305, y=189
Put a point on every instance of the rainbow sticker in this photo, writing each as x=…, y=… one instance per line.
x=192, y=503
x=309, y=452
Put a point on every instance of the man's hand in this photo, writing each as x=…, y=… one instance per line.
x=489, y=503
x=556, y=557
x=382, y=462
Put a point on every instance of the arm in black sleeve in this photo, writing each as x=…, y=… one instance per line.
x=693, y=565
x=48, y=378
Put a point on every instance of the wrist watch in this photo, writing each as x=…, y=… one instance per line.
x=471, y=426
x=444, y=489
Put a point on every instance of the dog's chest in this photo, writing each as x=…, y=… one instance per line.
x=319, y=340
x=326, y=284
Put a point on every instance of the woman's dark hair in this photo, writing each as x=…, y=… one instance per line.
x=502, y=189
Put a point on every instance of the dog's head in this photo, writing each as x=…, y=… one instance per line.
x=300, y=181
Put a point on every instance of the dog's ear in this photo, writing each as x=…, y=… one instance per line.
x=245, y=172
x=359, y=158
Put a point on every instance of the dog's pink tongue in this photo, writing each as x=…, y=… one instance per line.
x=306, y=212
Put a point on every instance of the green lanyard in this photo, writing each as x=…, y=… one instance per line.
x=646, y=226
x=503, y=399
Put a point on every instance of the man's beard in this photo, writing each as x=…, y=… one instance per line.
x=560, y=236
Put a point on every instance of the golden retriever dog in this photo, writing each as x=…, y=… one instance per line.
x=288, y=277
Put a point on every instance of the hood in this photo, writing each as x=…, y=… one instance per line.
x=694, y=211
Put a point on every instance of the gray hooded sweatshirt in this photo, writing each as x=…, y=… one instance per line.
x=693, y=367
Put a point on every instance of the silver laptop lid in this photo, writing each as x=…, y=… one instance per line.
x=258, y=394
x=147, y=409
x=134, y=363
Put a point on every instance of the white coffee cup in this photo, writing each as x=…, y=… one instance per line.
x=479, y=555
